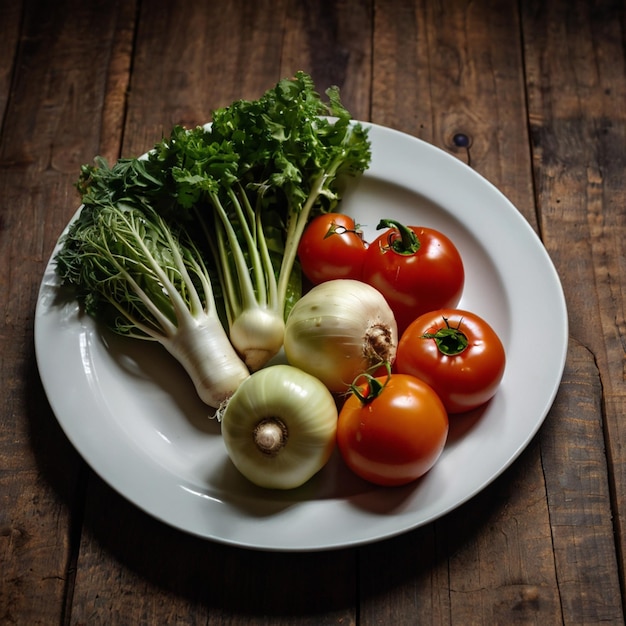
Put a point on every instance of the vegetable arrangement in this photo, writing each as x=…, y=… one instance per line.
x=232, y=200
x=202, y=244
x=393, y=428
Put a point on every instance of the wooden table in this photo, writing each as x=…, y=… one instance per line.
x=539, y=87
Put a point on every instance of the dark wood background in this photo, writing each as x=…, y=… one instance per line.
x=538, y=86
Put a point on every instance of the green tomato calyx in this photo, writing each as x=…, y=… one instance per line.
x=367, y=387
x=450, y=340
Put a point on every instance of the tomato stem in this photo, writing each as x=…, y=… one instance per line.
x=338, y=229
x=371, y=384
x=407, y=242
x=450, y=341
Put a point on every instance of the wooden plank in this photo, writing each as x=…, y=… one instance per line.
x=575, y=466
x=113, y=111
x=53, y=92
x=10, y=15
x=186, y=42
x=400, y=68
x=576, y=92
x=133, y=569
x=334, y=47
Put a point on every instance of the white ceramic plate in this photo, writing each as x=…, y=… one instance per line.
x=132, y=414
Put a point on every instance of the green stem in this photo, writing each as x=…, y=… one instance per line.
x=217, y=245
x=229, y=286
x=271, y=285
x=246, y=288
x=408, y=243
x=297, y=223
x=247, y=223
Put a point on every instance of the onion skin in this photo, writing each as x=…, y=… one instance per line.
x=340, y=329
x=302, y=408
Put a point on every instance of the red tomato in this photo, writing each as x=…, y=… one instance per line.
x=397, y=436
x=331, y=247
x=417, y=269
x=457, y=353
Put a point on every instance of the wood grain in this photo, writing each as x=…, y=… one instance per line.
x=401, y=79
x=197, y=65
x=54, y=90
x=10, y=14
x=538, y=88
x=578, y=128
x=117, y=75
x=578, y=490
x=334, y=47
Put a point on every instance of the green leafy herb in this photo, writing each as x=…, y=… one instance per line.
x=245, y=187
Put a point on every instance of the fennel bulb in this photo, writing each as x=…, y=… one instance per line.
x=142, y=279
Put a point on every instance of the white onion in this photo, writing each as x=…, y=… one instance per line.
x=340, y=329
x=279, y=427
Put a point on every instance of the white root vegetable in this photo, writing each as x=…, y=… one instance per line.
x=340, y=329
x=143, y=279
x=279, y=427
x=208, y=357
x=258, y=335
